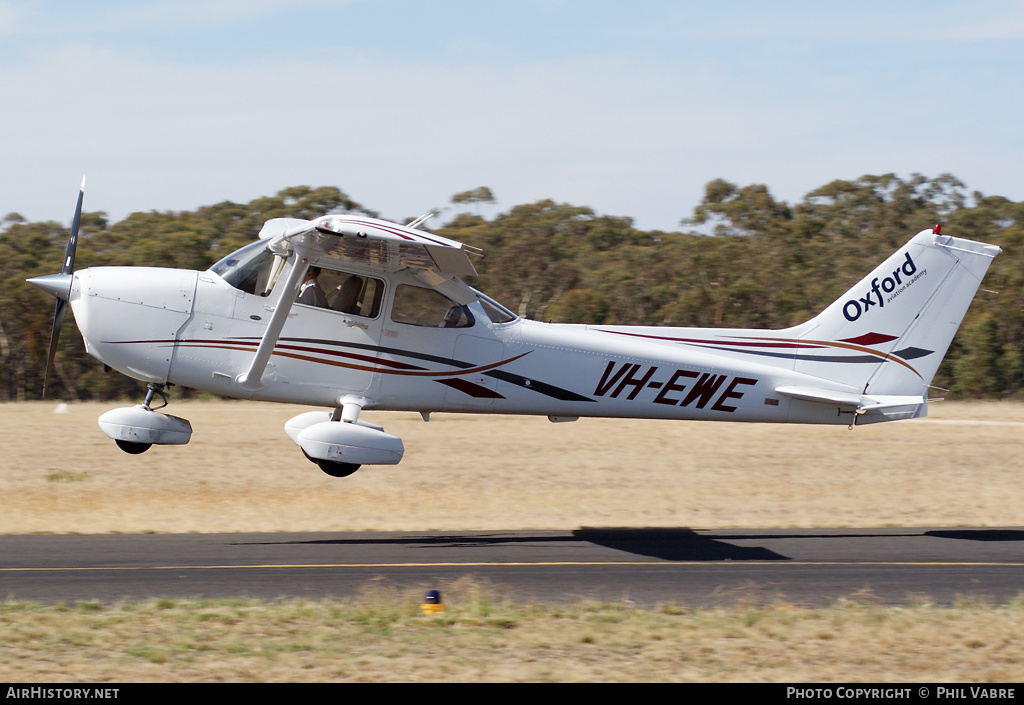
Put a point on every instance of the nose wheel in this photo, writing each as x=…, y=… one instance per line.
x=133, y=447
x=137, y=428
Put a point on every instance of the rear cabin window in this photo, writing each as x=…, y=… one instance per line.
x=353, y=294
x=416, y=306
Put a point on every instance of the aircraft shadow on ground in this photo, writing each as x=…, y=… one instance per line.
x=665, y=544
x=669, y=544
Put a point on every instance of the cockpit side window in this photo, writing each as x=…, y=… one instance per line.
x=416, y=306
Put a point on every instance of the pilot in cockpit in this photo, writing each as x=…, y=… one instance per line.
x=310, y=292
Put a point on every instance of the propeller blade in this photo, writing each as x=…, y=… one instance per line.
x=67, y=268
x=51, y=351
x=69, y=253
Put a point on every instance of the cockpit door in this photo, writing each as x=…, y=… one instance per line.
x=336, y=333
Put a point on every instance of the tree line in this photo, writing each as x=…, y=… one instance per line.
x=741, y=259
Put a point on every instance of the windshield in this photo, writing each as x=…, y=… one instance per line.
x=251, y=269
x=495, y=311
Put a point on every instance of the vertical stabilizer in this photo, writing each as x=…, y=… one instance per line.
x=892, y=329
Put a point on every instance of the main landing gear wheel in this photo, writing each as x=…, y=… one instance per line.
x=332, y=468
x=133, y=448
x=337, y=469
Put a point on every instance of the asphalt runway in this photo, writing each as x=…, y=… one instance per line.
x=811, y=567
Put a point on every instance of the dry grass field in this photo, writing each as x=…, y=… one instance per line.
x=384, y=638
x=960, y=466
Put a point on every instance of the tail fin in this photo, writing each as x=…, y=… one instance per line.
x=895, y=325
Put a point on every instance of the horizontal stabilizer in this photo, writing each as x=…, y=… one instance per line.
x=827, y=396
x=867, y=408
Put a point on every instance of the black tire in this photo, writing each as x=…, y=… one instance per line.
x=332, y=468
x=133, y=448
x=337, y=469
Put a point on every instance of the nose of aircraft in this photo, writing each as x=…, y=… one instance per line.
x=59, y=287
x=129, y=316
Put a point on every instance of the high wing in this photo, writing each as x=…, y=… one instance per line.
x=349, y=238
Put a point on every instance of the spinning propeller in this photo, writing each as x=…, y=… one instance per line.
x=59, y=286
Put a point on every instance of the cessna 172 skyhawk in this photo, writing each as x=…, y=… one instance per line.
x=389, y=324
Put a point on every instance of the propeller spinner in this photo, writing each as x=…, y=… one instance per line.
x=59, y=286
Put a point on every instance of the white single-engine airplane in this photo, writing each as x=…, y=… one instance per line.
x=354, y=313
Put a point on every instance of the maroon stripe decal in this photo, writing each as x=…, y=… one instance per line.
x=776, y=342
x=246, y=345
x=401, y=368
x=351, y=356
x=783, y=343
x=869, y=339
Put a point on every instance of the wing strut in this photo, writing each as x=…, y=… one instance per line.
x=251, y=379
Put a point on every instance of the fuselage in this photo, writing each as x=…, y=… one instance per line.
x=201, y=330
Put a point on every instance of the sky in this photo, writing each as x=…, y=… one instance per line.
x=629, y=108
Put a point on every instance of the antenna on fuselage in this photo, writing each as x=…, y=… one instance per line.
x=422, y=219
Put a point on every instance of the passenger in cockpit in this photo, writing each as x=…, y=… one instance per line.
x=310, y=292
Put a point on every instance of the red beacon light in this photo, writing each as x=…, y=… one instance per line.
x=937, y=230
